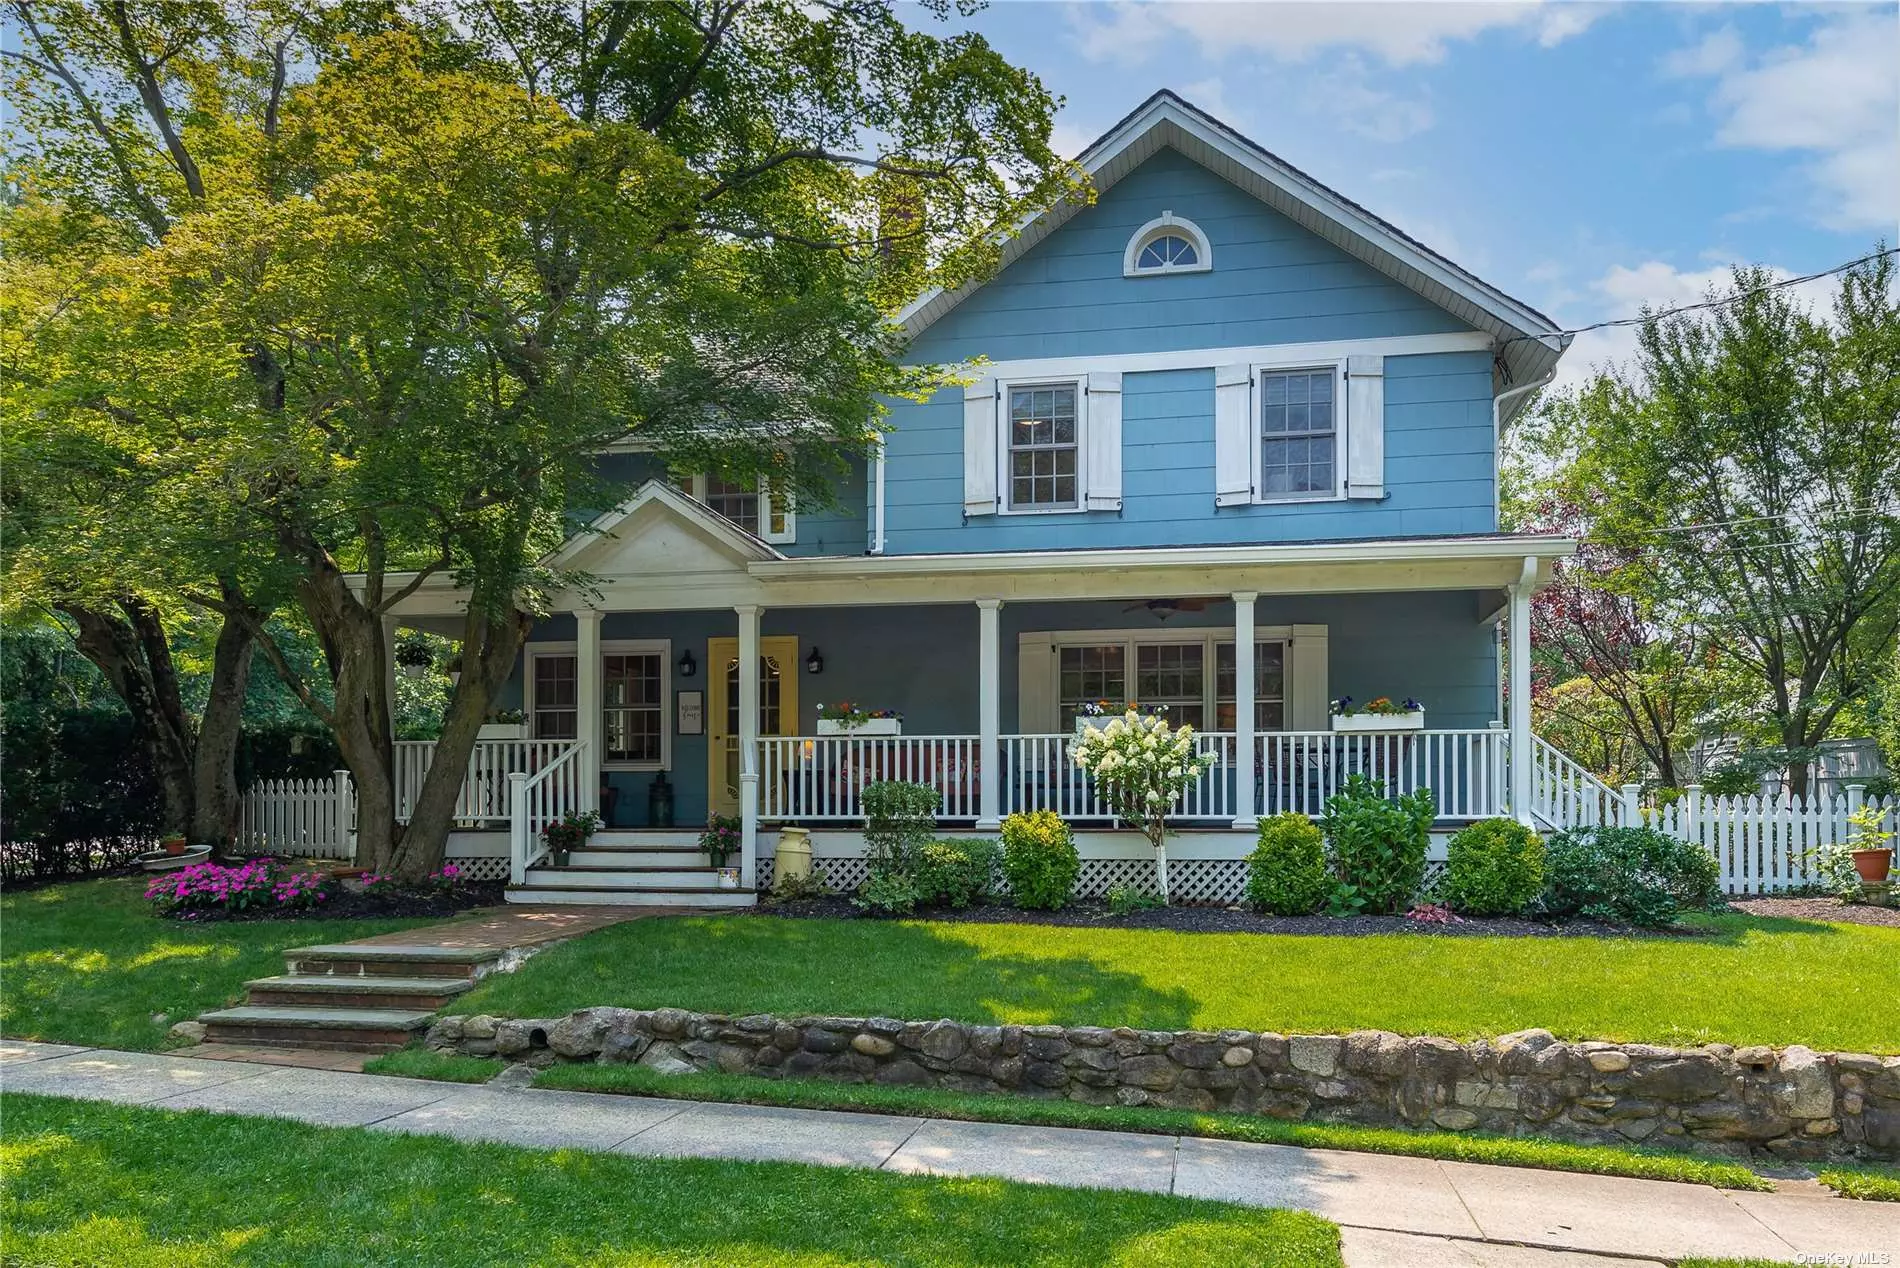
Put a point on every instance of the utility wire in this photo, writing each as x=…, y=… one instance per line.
x=1710, y=303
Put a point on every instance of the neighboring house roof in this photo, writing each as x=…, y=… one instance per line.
x=1531, y=342
x=656, y=498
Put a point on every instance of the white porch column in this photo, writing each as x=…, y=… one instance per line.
x=989, y=709
x=389, y=669
x=589, y=708
x=749, y=742
x=1520, y=696
x=1244, y=741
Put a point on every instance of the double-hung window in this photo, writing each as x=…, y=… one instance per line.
x=1190, y=673
x=633, y=721
x=1269, y=687
x=1298, y=438
x=553, y=698
x=635, y=699
x=1042, y=463
x=756, y=511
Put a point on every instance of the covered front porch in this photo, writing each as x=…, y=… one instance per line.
x=987, y=660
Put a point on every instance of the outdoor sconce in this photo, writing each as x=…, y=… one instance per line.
x=688, y=666
x=814, y=663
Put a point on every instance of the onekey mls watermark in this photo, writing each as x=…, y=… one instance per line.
x=1847, y=1259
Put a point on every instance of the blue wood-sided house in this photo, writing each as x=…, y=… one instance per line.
x=1231, y=447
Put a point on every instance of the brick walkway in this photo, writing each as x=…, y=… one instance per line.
x=511, y=927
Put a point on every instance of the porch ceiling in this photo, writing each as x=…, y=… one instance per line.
x=1460, y=563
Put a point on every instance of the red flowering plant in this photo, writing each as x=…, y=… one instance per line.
x=258, y=888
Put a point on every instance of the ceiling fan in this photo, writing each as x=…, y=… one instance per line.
x=1165, y=608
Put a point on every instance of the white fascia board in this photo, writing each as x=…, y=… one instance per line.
x=1263, y=354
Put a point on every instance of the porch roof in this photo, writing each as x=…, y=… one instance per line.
x=643, y=572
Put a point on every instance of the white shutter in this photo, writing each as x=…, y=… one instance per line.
x=1035, y=685
x=979, y=448
x=1308, y=704
x=1103, y=434
x=1365, y=427
x=1233, y=435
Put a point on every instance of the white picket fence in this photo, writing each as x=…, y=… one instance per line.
x=1767, y=844
x=307, y=818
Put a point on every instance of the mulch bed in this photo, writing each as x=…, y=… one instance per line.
x=1188, y=919
x=1828, y=909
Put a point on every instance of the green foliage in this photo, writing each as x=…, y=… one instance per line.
x=1040, y=860
x=1868, y=1182
x=1495, y=867
x=1126, y=900
x=444, y=1067
x=1377, y=845
x=724, y=837
x=1636, y=876
x=899, y=820
x=1286, y=873
x=790, y=889
x=956, y=872
x=888, y=893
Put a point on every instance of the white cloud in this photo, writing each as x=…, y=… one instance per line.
x=1345, y=94
x=1398, y=33
x=1835, y=97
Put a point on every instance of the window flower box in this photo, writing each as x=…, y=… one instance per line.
x=1410, y=720
x=870, y=726
x=502, y=731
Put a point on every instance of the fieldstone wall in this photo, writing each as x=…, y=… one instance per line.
x=1790, y=1103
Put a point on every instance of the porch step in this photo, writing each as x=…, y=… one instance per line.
x=336, y=1029
x=645, y=839
x=381, y=990
x=575, y=876
x=643, y=856
x=675, y=896
x=346, y=960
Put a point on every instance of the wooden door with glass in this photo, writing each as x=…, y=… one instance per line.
x=778, y=709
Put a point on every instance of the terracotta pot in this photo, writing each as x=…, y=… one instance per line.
x=1873, y=865
x=173, y=845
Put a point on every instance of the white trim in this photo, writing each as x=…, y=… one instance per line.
x=608, y=647
x=1210, y=637
x=1282, y=366
x=1003, y=484
x=1167, y=224
x=1256, y=354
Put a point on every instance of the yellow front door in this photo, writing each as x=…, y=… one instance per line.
x=778, y=708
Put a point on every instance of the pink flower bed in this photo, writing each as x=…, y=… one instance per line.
x=209, y=890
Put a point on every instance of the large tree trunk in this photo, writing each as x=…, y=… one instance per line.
x=214, y=764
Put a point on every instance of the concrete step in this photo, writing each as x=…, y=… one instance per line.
x=639, y=856
x=645, y=838
x=336, y=1029
x=569, y=894
x=382, y=990
x=579, y=877
x=346, y=960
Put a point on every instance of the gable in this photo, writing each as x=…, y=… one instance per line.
x=660, y=531
x=1273, y=282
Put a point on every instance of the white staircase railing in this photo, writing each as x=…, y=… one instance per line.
x=538, y=799
x=1565, y=795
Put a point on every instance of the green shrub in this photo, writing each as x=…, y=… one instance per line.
x=1039, y=859
x=1377, y=845
x=1495, y=867
x=899, y=820
x=1635, y=876
x=1286, y=873
x=887, y=893
x=1126, y=900
x=956, y=873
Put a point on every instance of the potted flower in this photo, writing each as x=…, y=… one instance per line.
x=567, y=834
x=723, y=838
x=413, y=657
x=503, y=724
x=1377, y=714
x=845, y=718
x=1870, y=845
x=172, y=843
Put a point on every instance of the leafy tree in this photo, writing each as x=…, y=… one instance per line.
x=1743, y=509
x=401, y=303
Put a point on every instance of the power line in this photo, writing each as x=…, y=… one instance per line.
x=1712, y=303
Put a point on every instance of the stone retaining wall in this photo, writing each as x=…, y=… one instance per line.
x=1789, y=1103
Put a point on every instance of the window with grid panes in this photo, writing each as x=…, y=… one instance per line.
x=1171, y=674
x=734, y=501
x=631, y=704
x=1298, y=433
x=1086, y=675
x=1269, y=687
x=554, y=698
x=1042, y=447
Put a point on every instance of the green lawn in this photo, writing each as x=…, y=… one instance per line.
x=109, y=1185
x=88, y=963
x=1868, y=1181
x=1745, y=980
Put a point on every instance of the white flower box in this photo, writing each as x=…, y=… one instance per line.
x=502, y=731
x=1413, y=721
x=870, y=726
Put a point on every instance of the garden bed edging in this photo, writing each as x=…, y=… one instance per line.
x=1789, y=1103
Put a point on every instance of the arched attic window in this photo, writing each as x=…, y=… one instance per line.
x=1167, y=244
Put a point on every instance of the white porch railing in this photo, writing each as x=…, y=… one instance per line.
x=1465, y=770
x=484, y=794
x=1565, y=795
x=1040, y=774
x=308, y=818
x=538, y=799
x=821, y=778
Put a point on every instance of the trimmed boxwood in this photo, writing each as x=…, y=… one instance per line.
x=1636, y=876
x=1494, y=867
x=1039, y=860
x=1286, y=873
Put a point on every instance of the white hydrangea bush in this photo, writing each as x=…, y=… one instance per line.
x=1141, y=766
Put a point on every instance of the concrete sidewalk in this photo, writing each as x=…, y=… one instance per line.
x=1408, y=1212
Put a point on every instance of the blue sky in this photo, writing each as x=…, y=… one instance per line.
x=1586, y=158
